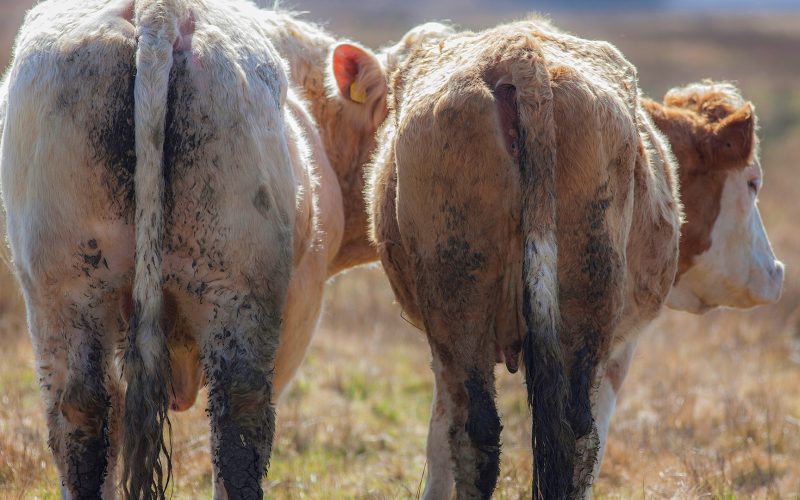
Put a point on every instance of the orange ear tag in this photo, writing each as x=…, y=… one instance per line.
x=358, y=93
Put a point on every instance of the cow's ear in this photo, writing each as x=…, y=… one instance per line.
x=360, y=79
x=733, y=138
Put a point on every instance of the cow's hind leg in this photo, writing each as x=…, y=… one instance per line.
x=440, y=479
x=465, y=417
x=613, y=374
x=239, y=360
x=73, y=361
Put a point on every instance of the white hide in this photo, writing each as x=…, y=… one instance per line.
x=739, y=269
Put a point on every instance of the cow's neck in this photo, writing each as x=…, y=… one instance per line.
x=306, y=47
x=348, y=163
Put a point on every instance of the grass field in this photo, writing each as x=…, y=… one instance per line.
x=711, y=407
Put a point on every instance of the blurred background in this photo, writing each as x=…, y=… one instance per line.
x=711, y=407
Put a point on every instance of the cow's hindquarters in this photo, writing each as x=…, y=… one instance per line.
x=476, y=215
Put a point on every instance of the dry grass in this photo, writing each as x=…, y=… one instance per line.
x=711, y=407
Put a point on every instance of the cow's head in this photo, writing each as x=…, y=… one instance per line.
x=357, y=77
x=725, y=255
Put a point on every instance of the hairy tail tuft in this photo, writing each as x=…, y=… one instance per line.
x=146, y=361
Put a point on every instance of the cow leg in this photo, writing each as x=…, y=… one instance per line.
x=439, y=483
x=242, y=421
x=239, y=360
x=582, y=418
x=117, y=399
x=73, y=367
x=465, y=394
x=614, y=374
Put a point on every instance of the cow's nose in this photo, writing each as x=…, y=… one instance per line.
x=777, y=276
x=777, y=271
x=774, y=284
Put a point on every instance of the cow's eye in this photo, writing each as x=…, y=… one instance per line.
x=753, y=185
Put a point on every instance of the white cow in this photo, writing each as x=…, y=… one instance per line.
x=154, y=164
x=219, y=163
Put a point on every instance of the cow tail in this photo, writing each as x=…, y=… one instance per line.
x=146, y=362
x=553, y=441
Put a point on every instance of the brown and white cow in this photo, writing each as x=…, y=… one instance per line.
x=522, y=202
x=205, y=161
x=725, y=255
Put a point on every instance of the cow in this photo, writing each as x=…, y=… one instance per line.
x=711, y=131
x=342, y=126
x=522, y=203
x=725, y=255
x=161, y=180
x=333, y=136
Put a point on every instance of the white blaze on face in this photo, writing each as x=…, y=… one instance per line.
x=739, y=269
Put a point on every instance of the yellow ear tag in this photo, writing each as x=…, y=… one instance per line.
x=358, y=93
